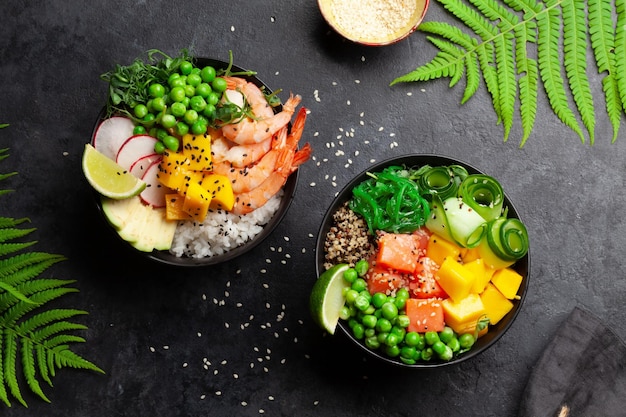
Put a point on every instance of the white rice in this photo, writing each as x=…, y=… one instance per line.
x=221, y=231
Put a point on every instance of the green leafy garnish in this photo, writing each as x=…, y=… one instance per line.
x=500, y=41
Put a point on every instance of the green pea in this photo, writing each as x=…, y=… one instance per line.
x=439, y=347
x=466, y=341
x=358, y=331
x=149, y=118
x=400, y=302
x=398, y=331
x=140, y=110
x=431, y=338
x=370, y=310
x=366, y=294
x=168, y=121
x=402, y=293
x=351, y=296
x=185, y=67
x=447, y=354
x=382, y=337
x=190, y=117
x=446, y=334
x=370, y=332
x=369, y=321
x=209, y=111
x=454, y=344
x=361, y=302
x=352, y=322
x=194, y=79
x=219, y=84
x=208, y=74
x=159, y=147
x=177, y=94
x=372, y=342
x=412, y=339
x=359, y=284
x=383, y=325
x=392, y=351
x=403, y=320
x=390, y=311
x=199, y=128
x=181, y=128
x=427, y=354
x=379, y=299
x=197, y=103
x=179, y=81
x=350, y=275
x=362, y=267
x=156, y=90
x=178, y=109
x=190, y=90
x=407, y=361
x=139, y=130
x=392, y=339
x=171, y=143
x=213, y=97
x=344, y=313
x=161, y=134
x=203, y=90
x=408, y=352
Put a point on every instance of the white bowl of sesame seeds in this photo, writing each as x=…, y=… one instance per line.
x=374, y=22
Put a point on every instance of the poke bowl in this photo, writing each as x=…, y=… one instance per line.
x=441, y=297
x=220, y=220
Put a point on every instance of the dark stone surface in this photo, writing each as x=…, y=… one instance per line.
x=236, y=339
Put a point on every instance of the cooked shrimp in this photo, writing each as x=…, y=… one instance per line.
x=239, y=156
x=251, y=130
x=288, y=160
x=248, y=177
x=252, y=200
x=254, y=96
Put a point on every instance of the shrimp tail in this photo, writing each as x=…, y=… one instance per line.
x=301, y=156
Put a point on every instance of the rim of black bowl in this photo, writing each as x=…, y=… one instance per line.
x=288, y=195
x=522, y=266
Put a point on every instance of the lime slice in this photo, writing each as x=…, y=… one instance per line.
x=107, y=177
x=327, y=297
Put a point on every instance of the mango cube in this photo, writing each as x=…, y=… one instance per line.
x=462, y=316
x=455, y=279
x=439, y=248
x=482, y=273
x=197, y=151
x=220, y=190
x=197, y=201
x=174, y=207
x=470, y=255
x=507, y=281
x=496, y=304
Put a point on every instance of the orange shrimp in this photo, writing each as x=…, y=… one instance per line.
x=288, y=160
x=239, y=156
x=253, y=95
x=250, y=130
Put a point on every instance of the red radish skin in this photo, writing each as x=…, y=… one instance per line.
x=135, y=148
x=154, y=193
x=139, y=167
x=111, y=133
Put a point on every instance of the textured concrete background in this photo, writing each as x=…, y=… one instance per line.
x=236, y=339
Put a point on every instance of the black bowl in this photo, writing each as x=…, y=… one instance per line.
x=289, y=190
x=522, y=266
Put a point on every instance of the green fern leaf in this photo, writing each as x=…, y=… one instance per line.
x=11, y=222
x=620, y=50
x=496, y=41
x=30, y=370
x=8, y=248
x=575, y=50
x=10, y=366
x=550, y=67
x=7, y=234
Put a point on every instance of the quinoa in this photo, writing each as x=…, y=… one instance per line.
x=348, y=240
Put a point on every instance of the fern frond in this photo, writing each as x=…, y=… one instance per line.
x=30, y=370
x=442, y=65
x=472, y=19
x=10, y=366
x=25, y=266
x=11, y=222
x=575, y=51
x=7, y=234
x=490, y=76
x=45, y=318
x=472, y=69
x=550, y=67
x=507, y=84
x=620, y=50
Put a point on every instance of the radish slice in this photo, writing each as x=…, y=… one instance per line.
x=111, y=133
x=135, y=148
x=154, y=193
x=139, y=167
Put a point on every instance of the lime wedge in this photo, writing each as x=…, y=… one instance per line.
x=327, y=297
x=107, y=177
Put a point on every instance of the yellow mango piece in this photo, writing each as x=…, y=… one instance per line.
x=196, y=201
x=174, y=207
x=507, y=281
x=439, y=248
x=462, y=316
x=172, y=169
x=456, y=280
x=482, y=273
x=496, y=304
x=470, y=255
x=197, y=150
x=220, y=190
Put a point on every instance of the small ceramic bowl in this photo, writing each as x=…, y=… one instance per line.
x=374, y=22
x=288, y=194
x=522, y=266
